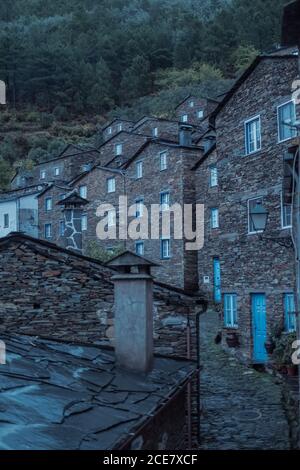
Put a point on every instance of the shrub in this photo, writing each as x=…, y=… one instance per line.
x=46, y=120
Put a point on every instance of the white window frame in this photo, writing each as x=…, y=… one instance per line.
x=43, y=174
x=230, y=310
x=257, y=198
x=83, y=189
x=214, y=210
x=213, y=178
x=279, y=123
x=184, y=118
x=155, y=131
x=117, y=149
x=139, y=244
x=48, y=204
x=163, y=156
x=84, y=223
x=247, y=145
x=200, y=114
x=57, y=171
x=162, y=256
x=164, y=206
x=120, y=127
x=139, y=169
x=283, y=226
x=109, y=130
x=192, y=104
x=48, y=225
x=111, y=184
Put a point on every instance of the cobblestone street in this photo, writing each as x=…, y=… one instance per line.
x=242, y=408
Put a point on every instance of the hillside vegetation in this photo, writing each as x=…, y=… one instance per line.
x=70, y=65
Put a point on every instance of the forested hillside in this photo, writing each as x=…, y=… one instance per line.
x=71, y=64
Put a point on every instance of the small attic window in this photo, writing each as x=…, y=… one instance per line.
x=200, y=114
x=192, y=104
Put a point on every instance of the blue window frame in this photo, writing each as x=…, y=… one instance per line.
x=165, y=200
x=139, y=248
x=48, y=203
x=230, y=310
x=62, y=228
x=139, y=207
x=165, y=248
x=214, y=218
x=289, y=312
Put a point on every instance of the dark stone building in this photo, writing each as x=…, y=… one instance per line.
x=250, y=275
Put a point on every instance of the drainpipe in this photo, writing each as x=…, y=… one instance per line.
x=189, y=386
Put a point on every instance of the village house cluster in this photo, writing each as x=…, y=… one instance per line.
x=226, y=154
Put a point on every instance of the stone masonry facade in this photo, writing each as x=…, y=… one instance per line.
x=250, y=264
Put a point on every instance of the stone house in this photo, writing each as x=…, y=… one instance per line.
x=115, y=126
x=144, y=181
x=250, y=275
x=193, y=110
x=72, y=161
x=120, y=147
x=163, y=129
x=57, y=309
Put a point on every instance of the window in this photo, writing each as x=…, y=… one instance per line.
x=200, y=114
x=86, y=167
x=155, y=132
x=184, y=118
x=111, y=185
x=48, y=203
x=286, y=114
x=213, y=176
x=139, y=206
x=139, y=248
x=251, y=204
x=6, y=220
x=164, y=201
x=62, y=196
x=165, y=252
x=109, y=130
x=192, y=104
x=119, y=149
x=139, y=169
x=289, y=312
x=84, y=222
x=230, y=310
x=253, y=135
x=43, y=174
x=120, y=127
x=286, y=214
x=163, y=161
x=48, y=230
x=83, y=191
x=214, y=218
x=56, y=171
x=111, y=217
x=62, y=228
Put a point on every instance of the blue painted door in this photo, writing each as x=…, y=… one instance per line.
x=259, y=326
x=217, y=280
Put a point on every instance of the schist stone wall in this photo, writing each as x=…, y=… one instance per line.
x=191, y=107
x=51, y=292
x=249, y=264
x=178, y=179
x=130, y=143
x=65, y=168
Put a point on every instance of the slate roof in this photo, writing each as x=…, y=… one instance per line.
x=56, y=395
